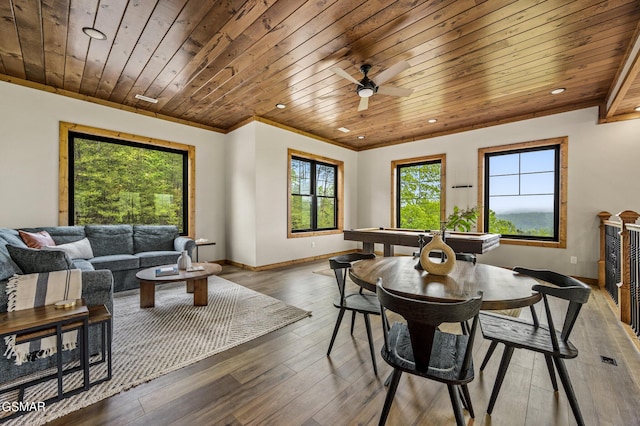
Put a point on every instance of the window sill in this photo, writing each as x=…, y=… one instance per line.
x=533, y=243
x=313, y=233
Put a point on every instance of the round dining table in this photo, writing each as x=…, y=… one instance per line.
x=501, y=288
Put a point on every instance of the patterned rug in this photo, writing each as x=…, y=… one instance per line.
x=148, y=343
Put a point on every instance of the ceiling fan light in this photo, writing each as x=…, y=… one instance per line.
x=365, y=92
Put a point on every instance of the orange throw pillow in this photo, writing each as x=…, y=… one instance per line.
x=37, y=239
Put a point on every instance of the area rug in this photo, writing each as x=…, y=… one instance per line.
x=148, y=343
x=328, y=272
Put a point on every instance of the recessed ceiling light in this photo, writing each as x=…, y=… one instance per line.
x=93, y=33
x=361, y=137
x=558, y=91
x=281, y=106
x=146, y=98
x=432, y=120
x=344, y=129
x=637, y=108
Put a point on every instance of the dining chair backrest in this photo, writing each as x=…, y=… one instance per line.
x=574, y=291
x=341, y=264
x=423, y=319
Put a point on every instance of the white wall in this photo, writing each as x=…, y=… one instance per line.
x=241, y=195
x=29, y=141
x=272, y=244
x=603, y=163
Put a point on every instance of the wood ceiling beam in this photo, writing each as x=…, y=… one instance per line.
x=625, y=77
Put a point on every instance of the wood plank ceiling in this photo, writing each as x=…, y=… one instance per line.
x=219, y=63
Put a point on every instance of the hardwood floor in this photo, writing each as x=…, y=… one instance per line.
x=285, y=377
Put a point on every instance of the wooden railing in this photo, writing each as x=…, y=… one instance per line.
x=619, y=264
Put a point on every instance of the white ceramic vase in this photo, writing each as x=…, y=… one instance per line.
x=184, y=261
x=438, y=267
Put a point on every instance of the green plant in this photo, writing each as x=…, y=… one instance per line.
x=462, y=219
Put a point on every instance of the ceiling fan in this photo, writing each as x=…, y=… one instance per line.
x=367, y=88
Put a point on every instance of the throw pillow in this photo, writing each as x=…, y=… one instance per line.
x=80, y=249
x=32, y=261
x=36, y=239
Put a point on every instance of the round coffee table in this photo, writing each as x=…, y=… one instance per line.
x=196, y=282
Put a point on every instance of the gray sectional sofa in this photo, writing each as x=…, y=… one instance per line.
x=122, y=249
x=119, y=251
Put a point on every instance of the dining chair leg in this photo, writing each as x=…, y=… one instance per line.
x=552, y=374
x=353, y=321
x=502, y=370
x=485, y=361
x=391, y=391
x=455, y=403
x=367, y=323
x=335, y=330
x=466, y=401
x=568, y=388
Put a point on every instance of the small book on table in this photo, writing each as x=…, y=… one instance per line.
x=167, y=270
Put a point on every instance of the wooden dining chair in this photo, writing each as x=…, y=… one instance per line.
x=419, y=347
x=363, y=302
x=517, y=333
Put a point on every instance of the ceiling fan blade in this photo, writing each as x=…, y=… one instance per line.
x=364, y=104
x=391, y=72
x=394, y=91
x=342, y=73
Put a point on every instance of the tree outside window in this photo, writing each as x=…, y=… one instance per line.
x=120, y=182
x=314, y=188
x=419, y=195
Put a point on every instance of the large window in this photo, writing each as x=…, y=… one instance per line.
x=118, y=180
x=524, y=191
x=314, y=194
x=419, y=200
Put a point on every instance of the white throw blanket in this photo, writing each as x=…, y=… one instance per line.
x=34, y=290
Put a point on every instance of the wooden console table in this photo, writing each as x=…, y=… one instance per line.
x=36, y=323
x=45, y=321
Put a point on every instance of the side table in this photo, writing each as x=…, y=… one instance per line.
x=44, y=321
x=204, y=243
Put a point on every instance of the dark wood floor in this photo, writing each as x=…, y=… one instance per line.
x=285, y=377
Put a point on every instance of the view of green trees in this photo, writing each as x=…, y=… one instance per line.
x=312, y=182
x=419, y=196
x=121, y=184
x=419, y=206
x=535, y=224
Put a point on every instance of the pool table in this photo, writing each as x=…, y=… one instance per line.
x=460, y=242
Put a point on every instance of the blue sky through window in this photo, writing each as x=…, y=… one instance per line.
x=522, y=182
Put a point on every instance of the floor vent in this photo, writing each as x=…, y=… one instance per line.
x=608, y=360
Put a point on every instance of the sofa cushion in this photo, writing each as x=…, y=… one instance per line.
x=154, y=237
x=156, y=258
x=110, y=239
x=8, y=267
x=116, y=262
x=61, y=234
x=36, y=239
x=80, y=249
x=32, y=261
x=11, y=236
x=83, y=265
